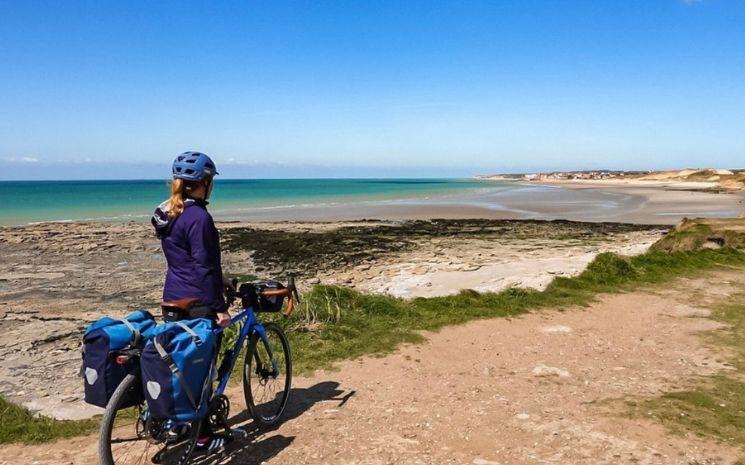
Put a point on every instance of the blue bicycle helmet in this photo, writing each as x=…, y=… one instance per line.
x=193, y=166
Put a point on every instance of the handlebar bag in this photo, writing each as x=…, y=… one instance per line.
x=177, y=365
x=102, y=340
x=254, y=298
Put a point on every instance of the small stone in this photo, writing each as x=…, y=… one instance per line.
x=556, y=329
x=480, y=461
x=544, y=370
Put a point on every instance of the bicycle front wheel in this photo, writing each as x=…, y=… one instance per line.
x=129, y=436
x=267, y=378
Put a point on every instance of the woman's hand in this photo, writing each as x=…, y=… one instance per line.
x=227, y=283
x=223, y=319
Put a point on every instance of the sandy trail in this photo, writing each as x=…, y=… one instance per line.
x=503, y=391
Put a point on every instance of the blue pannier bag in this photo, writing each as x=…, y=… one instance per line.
x=102, y=340
x=176, y=365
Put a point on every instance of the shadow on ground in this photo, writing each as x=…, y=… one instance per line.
x=259, y=445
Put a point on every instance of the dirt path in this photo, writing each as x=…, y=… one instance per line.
x=520, y=391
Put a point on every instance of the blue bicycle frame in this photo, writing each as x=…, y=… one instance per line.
x=250, y=326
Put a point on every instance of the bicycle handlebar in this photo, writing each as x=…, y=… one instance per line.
x=293, y=296
x=273, y=292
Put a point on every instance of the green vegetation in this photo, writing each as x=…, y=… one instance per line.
x=17, y=424
x=695, y=234
x=336, y=323
x=243, y=278
x=714, y=406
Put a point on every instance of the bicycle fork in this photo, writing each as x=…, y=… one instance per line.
x=275, y=365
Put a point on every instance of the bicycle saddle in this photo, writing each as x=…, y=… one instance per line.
x=181, y=304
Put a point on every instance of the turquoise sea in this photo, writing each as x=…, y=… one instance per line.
x=25, y=202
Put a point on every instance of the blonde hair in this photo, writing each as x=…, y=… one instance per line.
x=176, y=202
x=180, y=190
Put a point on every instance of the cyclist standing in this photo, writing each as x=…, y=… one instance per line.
x=195, y=282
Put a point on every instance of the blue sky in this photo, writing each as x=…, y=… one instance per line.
x=106, y=89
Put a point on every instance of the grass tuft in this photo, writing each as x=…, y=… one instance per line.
x=694, y=234
x=713, y=406
x=18, y=424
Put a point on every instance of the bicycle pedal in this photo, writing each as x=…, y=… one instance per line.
x=176, y=432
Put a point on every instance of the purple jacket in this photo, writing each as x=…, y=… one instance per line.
x=191, y=245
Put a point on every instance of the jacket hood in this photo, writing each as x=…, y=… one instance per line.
x=162, y=223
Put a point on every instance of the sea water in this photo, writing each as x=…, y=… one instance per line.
x=23, y=202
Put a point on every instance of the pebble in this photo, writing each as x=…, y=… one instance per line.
x=545, y=371
x=556, y=329
x=480, y=461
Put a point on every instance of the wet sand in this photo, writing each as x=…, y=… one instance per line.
x=647, y=203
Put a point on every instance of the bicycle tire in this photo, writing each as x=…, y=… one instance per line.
x=107, y=427
x=269, y=413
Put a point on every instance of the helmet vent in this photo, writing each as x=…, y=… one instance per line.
x=193, y=166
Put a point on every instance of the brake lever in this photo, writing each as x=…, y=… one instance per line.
x=294, y=297
x=293, y=288
x=231, y=294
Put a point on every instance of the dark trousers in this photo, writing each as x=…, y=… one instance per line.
x=197, y=311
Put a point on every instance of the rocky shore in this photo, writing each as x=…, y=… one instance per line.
x=58, y=277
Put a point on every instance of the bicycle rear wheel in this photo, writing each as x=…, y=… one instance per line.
x=129, y=436
x=266, y=390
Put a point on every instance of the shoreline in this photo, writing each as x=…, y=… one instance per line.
x=625, y=201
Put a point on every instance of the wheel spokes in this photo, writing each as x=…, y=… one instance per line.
x=266, y=378
x=119, y=441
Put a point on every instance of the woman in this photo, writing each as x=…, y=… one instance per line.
x=194, y=282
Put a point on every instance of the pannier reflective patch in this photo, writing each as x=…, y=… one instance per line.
x=91, y=375
x=153, y=389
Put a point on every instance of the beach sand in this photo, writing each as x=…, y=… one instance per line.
x=647, y=202
x=662, y=202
